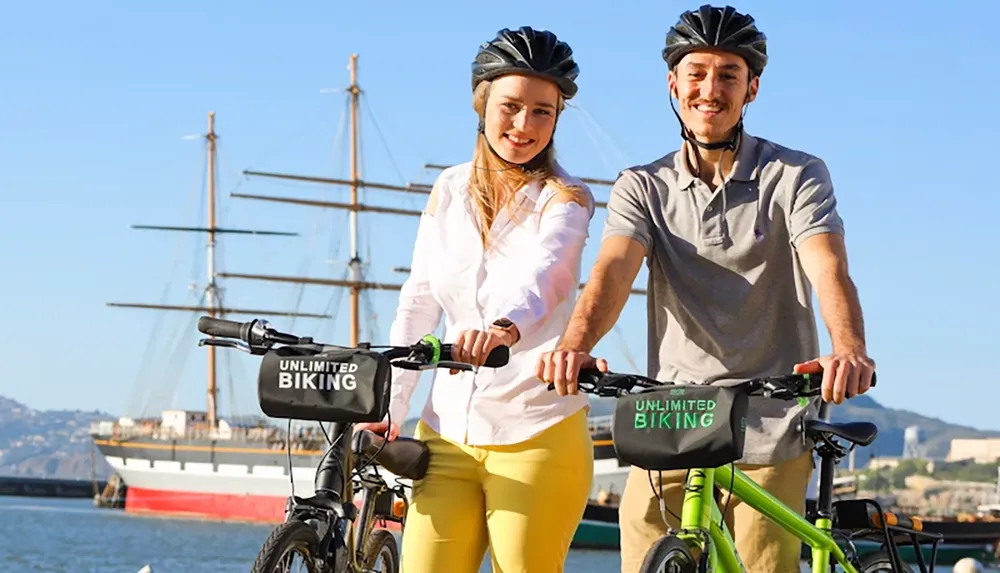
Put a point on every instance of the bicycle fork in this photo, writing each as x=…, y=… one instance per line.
x=698, y=512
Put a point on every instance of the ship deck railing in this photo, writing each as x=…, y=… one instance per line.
x=261, y=437
x=599, y=423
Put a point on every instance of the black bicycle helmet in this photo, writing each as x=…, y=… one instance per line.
x=535, y=52
x=721, y=28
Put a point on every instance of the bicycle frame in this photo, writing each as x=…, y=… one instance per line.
x=701, y=513
x=334, y=487
x=704, y=529
x=331, y=509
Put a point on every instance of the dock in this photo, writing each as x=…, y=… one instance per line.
x=50, y=487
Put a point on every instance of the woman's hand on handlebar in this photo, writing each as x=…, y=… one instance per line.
x=562, y=367
x=474, y=346
x=379, y=428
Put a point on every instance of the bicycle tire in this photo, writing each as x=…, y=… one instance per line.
x=876, y=562
x=381, y=543
x=669, y=555
x=291, y=535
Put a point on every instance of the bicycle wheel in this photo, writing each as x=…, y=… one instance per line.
x=381, y=553
x=669, y=555
x=877, y=562
x=288, y=540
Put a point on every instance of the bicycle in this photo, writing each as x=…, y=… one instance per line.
x=700, y=428
x=301, y=379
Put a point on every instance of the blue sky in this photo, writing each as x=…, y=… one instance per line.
x=101, y=100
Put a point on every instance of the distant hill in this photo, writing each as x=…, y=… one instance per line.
x=936, y=435
x=53, y=443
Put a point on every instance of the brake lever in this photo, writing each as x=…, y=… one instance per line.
x=411, y=365
x=780, y=394
x=408, y=364
x=609, y=392
x=228, y=343
x=456, y=365
x=585, y=388
x=552, y=386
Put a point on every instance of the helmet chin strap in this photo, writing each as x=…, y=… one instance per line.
x=729, y=143
x=532, y=164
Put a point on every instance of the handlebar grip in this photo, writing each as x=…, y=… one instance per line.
x=498, y=357
x=219, y=327
x=874, y=378
x=590, y=376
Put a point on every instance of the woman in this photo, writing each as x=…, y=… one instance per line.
x=498, y=255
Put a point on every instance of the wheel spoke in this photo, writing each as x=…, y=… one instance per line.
x=288, y=540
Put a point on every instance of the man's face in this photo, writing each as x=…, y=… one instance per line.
x=711, y=88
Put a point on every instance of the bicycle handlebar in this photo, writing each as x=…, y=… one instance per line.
x=254, y=333
x=783, y=387
x=223, y=328
x=258, y=336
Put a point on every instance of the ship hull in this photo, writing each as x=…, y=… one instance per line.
x=188, y=479
x=250, y=482
x=201, y=505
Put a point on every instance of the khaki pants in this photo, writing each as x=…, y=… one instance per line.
x=763, y=546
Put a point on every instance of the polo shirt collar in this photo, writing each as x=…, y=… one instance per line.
x=745, y=167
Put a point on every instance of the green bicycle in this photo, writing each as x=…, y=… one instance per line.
x=701, y=428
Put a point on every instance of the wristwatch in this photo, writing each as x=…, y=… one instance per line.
x=506, y=326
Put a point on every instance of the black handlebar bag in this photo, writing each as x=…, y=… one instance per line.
x=324, y=384
x=674, y=427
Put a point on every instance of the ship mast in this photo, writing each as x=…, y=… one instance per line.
x=355, y=283
x=213, y=303
x=211, y=288
x=355, y=263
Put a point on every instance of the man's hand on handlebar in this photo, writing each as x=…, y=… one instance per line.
x=845, y=375
x=561, y=368
x=379, y=428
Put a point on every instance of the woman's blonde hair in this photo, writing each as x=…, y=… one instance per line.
x=493, y=181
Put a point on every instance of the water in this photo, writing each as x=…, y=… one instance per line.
x=59, y=535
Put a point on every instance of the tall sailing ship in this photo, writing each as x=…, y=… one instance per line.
x=201, y=464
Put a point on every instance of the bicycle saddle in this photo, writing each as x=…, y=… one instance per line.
x=404, y=457
x=860, y=433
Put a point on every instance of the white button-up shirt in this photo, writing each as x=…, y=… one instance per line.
x=530, y=274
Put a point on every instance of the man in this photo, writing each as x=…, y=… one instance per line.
x=736, y=231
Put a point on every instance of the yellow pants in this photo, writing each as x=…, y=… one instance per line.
x=523, y=502
x=764, y=547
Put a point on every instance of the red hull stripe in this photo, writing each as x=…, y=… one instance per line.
x=212, y=506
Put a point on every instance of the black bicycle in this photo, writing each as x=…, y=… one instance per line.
x=701, y=428
x=304, y=380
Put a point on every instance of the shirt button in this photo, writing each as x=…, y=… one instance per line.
x=710, y=209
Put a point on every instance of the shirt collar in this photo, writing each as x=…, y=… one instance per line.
x=745, y=167
x=533, y=189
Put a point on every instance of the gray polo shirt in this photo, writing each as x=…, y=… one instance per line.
x=727, y=296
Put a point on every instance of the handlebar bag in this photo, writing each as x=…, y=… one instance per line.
x=674, y=427
x=324, y=384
